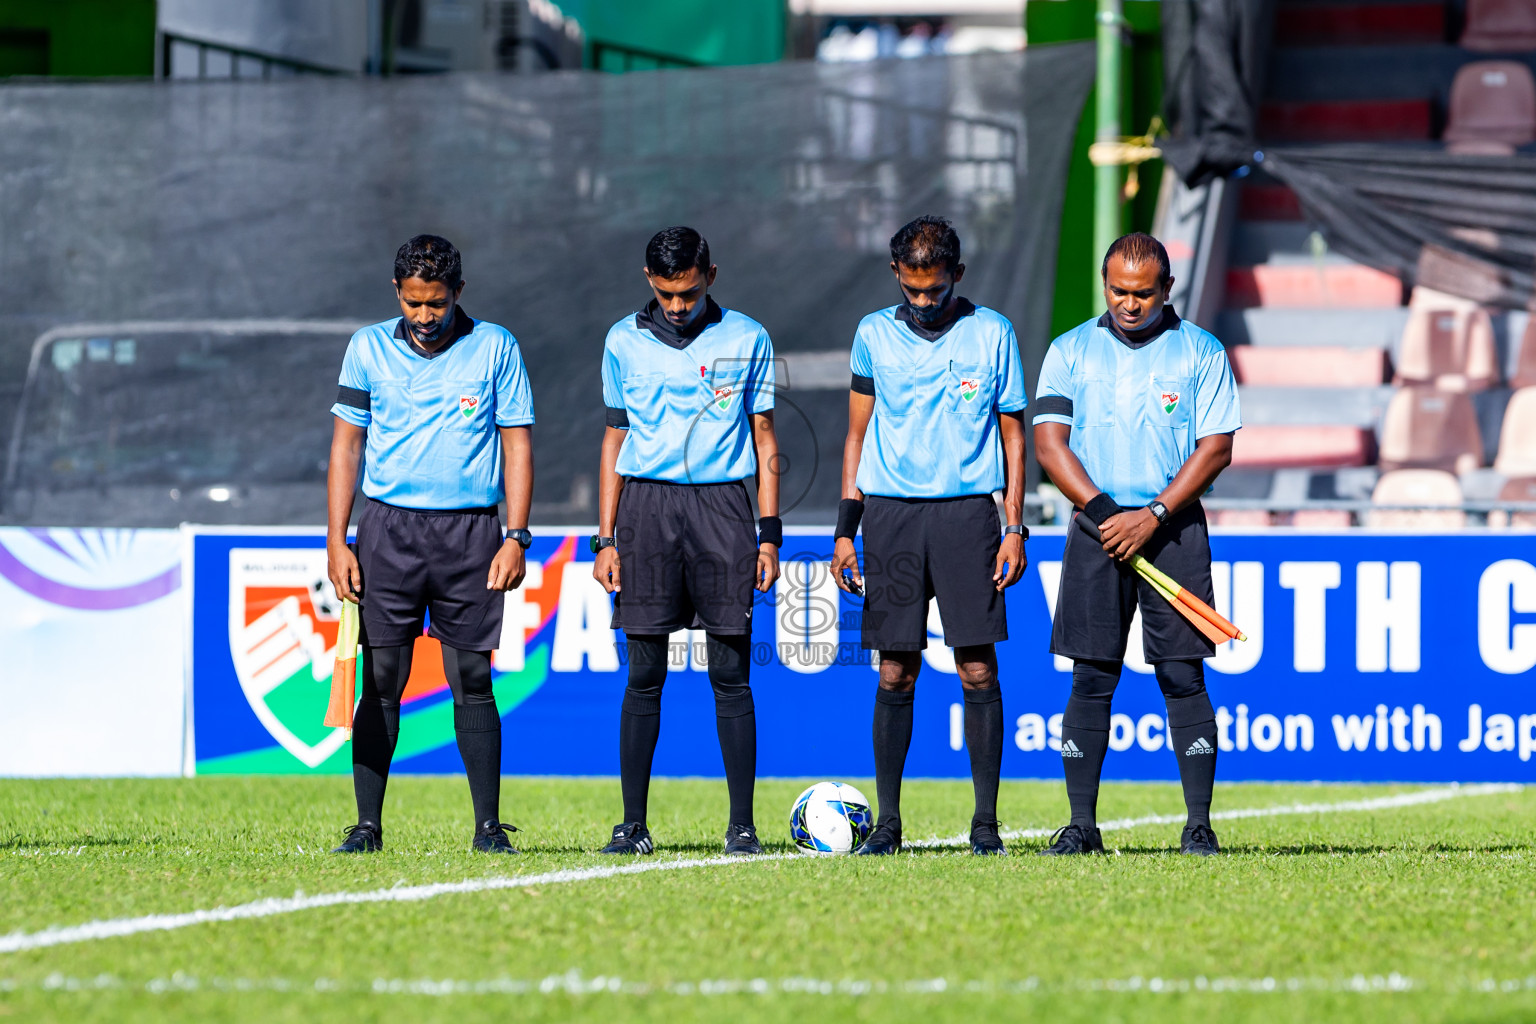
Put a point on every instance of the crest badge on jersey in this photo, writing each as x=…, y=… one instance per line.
x=970, y=387
x=467, y=405
x=1170, y=401
x=723, y=397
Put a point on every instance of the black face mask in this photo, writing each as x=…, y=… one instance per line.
x=932, y=314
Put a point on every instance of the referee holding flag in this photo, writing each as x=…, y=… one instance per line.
x=1134, y=417
x=441, y=403
x=935, y=427
x=689, y=389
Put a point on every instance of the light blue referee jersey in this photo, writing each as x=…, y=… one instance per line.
x=1136, y=412
x=934, y=431
x=432, y=419
x=687, y=408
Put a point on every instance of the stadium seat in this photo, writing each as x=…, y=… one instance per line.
x=1525, y=358
x=1500, y=26
x=1241, y=517
x=1305, y=366
x=1449, y=349
x=1322, y=519
x=1417, y=487
x=1517, y=438
x=1521, y=489
x=1269, y=447
x=1429, y=429
x=1492, y=108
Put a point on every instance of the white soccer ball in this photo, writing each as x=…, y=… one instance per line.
x=830, y=817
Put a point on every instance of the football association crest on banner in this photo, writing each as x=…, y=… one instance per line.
x=1170, y=401
x=467, y=405
x=283, y=619
x=970, y=387
x=723, y=397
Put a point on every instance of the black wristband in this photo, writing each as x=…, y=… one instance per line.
x=1100, y=508
x=770, y=530
x=849, y=512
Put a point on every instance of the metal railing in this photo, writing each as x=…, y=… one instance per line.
x=617, y=58
x=172, y=46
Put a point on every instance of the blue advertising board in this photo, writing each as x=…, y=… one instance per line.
x=1371, y=656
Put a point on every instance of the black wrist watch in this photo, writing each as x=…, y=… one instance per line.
x=523, y=537
x=1022, y=531
x=1159, y=512
x=597, y=543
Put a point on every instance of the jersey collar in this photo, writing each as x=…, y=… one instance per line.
x=1169, y=322
x=462, y=324
x=652, y=319
x=963, y=309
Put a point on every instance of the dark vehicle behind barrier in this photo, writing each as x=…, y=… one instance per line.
x=156, y=423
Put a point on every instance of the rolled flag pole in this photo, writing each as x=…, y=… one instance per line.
x=338, y=713
x=1204, y=618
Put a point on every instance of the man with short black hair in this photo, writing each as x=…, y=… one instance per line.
x=442, y=405
x=689, y=389
x=935, y=427
x=1134, y=417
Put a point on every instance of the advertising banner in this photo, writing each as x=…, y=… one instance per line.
x=92, y=678
x=1371, y=656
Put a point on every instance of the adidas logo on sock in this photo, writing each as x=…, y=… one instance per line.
x=1200, y=746
x=1069, y=749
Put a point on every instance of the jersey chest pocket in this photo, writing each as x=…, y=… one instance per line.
x=645, y=397
x=894, y=389
x=1171, y=399
x=1093, y=400
x=970, y=390
x=465, y=406
x=390, y=405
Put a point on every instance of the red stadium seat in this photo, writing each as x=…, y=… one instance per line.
x=1500, y=26
x=1517, y=438
x=1521, y=489
x=1276, y=447
x=1492, y=108
x=1300, y=366
x=1429, y=429
x=1525, y=359
x=1241, y=517
x=1449, y=349
x=1417, y=487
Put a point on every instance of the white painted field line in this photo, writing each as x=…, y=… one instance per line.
x=17, y=942
x=1381, y=803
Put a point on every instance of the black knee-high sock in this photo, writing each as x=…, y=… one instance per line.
x=730, y=660
x=984, y=741
x=1192, y=722
x=376, y=726
x=477, y=726
x=1085, y=736
x=893, y=737
x=478, y=730
x=640, y=721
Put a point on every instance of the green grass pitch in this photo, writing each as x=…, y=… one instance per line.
x=1405, y=913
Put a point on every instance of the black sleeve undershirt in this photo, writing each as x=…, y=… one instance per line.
x=862, y=385
x=618, y=418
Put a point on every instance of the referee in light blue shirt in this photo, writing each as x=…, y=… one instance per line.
x=441, y=403
x=689, y=388
x=1134, y=417
x=935, y=427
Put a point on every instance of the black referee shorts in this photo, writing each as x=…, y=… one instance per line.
x=1098, y=595
x=687, y=558
x=416, y=562
x=917, y=550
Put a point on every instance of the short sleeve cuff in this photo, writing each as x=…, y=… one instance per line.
x=515, y=420
x=356, y=417
x=1051, y=417
x=1018, y=405
x=1223, y=429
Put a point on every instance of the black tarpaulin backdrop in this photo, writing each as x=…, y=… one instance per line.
x=288, y=199
x=1459, y=224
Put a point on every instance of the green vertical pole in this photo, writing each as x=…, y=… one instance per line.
x=1107, y=179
